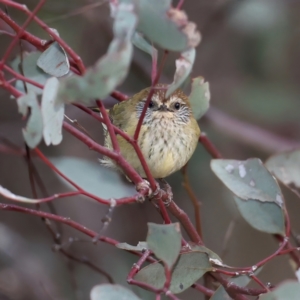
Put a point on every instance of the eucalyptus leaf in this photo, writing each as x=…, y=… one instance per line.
x=167, y=26
x=54, y=61
x=264, y=216
x=248, y=179
x=11, y=196
x=221, y=294
x=190, y=267
x=139, y=41
x=259, y=197
x=53, y=114
x=111, y=69
x=100, y=181
x=184, y=66
x=286, y=168
x=141, y=246
x=111, y=292
x=199, y=97
x=34, y=129
x=289, y=290
x=164, y=241
x=213, y=257
x=31, y=71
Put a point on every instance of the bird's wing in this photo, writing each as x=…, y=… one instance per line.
x=123, y=115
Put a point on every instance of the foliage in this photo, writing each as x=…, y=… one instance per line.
x=53, y=77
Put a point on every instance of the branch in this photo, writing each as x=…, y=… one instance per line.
x=76, y=58
x=185, y=221
x=196, y=203
x=249, y=134
x=19, y=33
x=209, y=146
x=67, y=221
x=38, y=43
x=127, y=168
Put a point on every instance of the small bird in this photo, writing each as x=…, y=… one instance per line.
x=169, y=133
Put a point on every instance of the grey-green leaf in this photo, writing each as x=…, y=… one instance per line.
x=190, y=267
x=184, y=66
x=221, y=294
x=53, y=113
x=100, y=181
x=164, y=241
x=285, y=166
x=264, y=216
x=31, y=71
x=289, y=290
x=248, y=179
x=141, y=246
x=34, y=129
x=199, y=97
x=139, y=41
x=213, y=257
x=166, y=26
x=112, y=292
x=54, y=61
x=259, y=197
x=111, y=69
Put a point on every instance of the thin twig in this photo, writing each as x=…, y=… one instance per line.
x=196, y=203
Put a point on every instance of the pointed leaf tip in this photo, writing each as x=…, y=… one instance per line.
x=258, y=196
x=164, y=241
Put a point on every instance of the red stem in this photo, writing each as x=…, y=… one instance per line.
x=67, y=221
x=209, y=146
x=125, y=200
x=180, y=3
x=50, y=165
x=168, y=275
x=155, y=81
x=185, y=222
x=38, y=43
x=204, y=290
x=137, y=266
x=60, y=219
x=21, y=77
x=109, y=126
x=129, y=140
x=119, y=96
x=19, y=33
x=259, y=282
x=66, y=47
x=128, y=169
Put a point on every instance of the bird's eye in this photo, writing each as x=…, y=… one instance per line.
x=151, y=104
x=177, y=105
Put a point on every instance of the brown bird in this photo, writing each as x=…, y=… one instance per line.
x=169, y=133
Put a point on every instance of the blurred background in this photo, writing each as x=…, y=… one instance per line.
x=250, y=55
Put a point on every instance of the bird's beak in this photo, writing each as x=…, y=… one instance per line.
x=163, y=108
